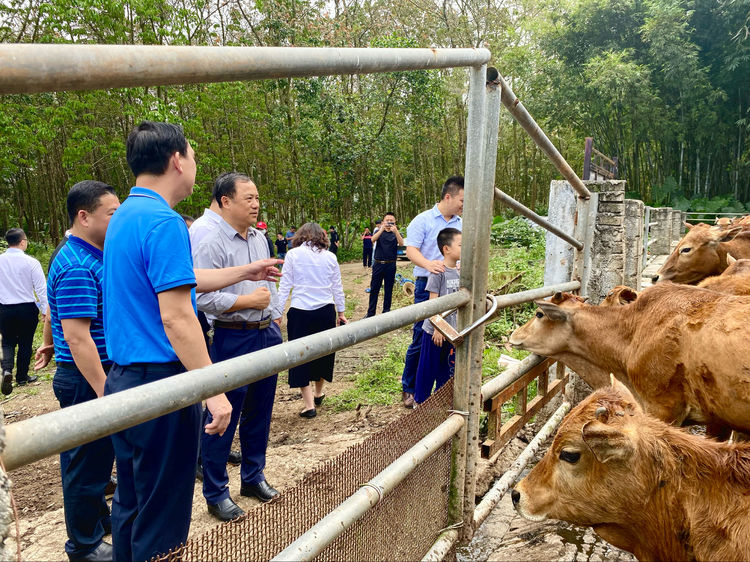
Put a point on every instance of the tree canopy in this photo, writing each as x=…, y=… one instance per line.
x=661, y=84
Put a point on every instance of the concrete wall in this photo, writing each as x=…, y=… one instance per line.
x=634, y=215
x=678, y=228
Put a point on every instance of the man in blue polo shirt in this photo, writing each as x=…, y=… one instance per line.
x=422, y=250
x=152, y=332
x=74, y=291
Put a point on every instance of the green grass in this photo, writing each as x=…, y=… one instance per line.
x=380, y=383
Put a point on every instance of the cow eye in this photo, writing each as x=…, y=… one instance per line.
x=685, y=250
x=539, y=314
x=570, y=456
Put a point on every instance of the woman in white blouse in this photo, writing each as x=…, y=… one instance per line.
x=313, y=276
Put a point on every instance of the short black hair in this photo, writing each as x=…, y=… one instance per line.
x=86, y=196
x=152, y=144
x=226, y=185
x=14, y=236
x=445, y=237
x=452, y=186
x=389, y=213
x=188, y=218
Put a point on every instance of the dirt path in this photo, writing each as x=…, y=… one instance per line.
x=296, y=445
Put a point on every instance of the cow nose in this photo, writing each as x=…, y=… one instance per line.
x=655, y=279
x=515, y=495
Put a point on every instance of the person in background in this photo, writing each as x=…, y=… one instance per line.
x=241, y=315
x=388, y=239
x=314, y=278
x=152, y=333
x=374, y=232
x=74, y=291
x=263, y=228
x=281, y=246
x=23, y=294
x=204, y=224
x=188, y=220
x=423, y=252
x=288, y=237
x=367, y=248
x=333, y=237
x=437, y=358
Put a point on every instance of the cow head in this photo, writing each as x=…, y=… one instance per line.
x=587, y=476
x=698, y=255
x=619, y=296
x=548, y=332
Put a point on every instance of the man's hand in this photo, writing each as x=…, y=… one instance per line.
x=341, y=319
x=43, y=356
x=263, y=270
x=435, y=266
x=261, y=298
x=278, y=321
x=437, y=338
x=221, y=412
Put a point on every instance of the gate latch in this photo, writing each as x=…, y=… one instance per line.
x=450, y=333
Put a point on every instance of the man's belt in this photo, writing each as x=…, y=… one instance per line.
x=385, y=261
x=263, y=324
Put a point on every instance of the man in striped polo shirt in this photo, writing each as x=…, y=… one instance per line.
x=75, y=297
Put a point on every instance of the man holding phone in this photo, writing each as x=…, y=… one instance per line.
x=388, y=240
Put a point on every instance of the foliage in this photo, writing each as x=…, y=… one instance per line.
x=380, y=383
x=517, y=232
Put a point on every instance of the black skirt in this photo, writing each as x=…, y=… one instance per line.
x=301, y=323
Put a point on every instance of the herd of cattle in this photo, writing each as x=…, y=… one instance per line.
x=675, y=354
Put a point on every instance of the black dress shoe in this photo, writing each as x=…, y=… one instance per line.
x=27, y=380
x=199, y=472
x=111, y=486
x=308, y=413
x=235, y=457
x=102, y=553
x=262, y=491
x=225, y=510
x=7, y=386
x=319, y=399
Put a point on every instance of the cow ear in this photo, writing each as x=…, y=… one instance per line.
x=624, y=393
x=688, y=225
x=552, y=311
x=724, y=235
x=606, y=443
x=627, y=295
x=731, y=259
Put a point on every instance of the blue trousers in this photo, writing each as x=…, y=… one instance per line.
x=85, y=472
x=412, y=354
x=436, y=366
x=252, y=406
x=382, y=274
x=155, y=471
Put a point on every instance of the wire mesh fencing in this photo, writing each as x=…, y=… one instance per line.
x=403, y=526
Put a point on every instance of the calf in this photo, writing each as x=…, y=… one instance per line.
x=735, y=280
x=648, y=488
x=702, y=252
x=681, y=350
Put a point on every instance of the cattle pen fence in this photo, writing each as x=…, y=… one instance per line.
x=408, y=491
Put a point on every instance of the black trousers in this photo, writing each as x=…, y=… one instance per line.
x=301, y=323
x=382, y=274
x=17, y=326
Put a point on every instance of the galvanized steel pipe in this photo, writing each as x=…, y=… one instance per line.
x=513, y=299
x=510, y=375
x=325, y=531
x=521, y=209
x=38, y=437
x=28, y=68
x=491, y=498
x=520, y=114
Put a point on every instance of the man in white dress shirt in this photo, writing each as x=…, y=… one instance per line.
x=23, y=294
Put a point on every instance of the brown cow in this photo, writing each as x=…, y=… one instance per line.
x=734, y=280
x=648, y=488
x=682, y=351
x=619, y=296
x=702, y=252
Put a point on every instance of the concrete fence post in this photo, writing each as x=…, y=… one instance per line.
x=608, y=248
x=634, y=216
x=678, y=228
x=559, y=255
x=6, y=510
x=661, y=232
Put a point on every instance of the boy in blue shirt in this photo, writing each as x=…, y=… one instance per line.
x=438, y=358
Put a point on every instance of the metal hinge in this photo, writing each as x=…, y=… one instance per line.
x=451, y=334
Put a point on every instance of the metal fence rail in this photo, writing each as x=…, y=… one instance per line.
x=48, y=434
x=29, y=68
